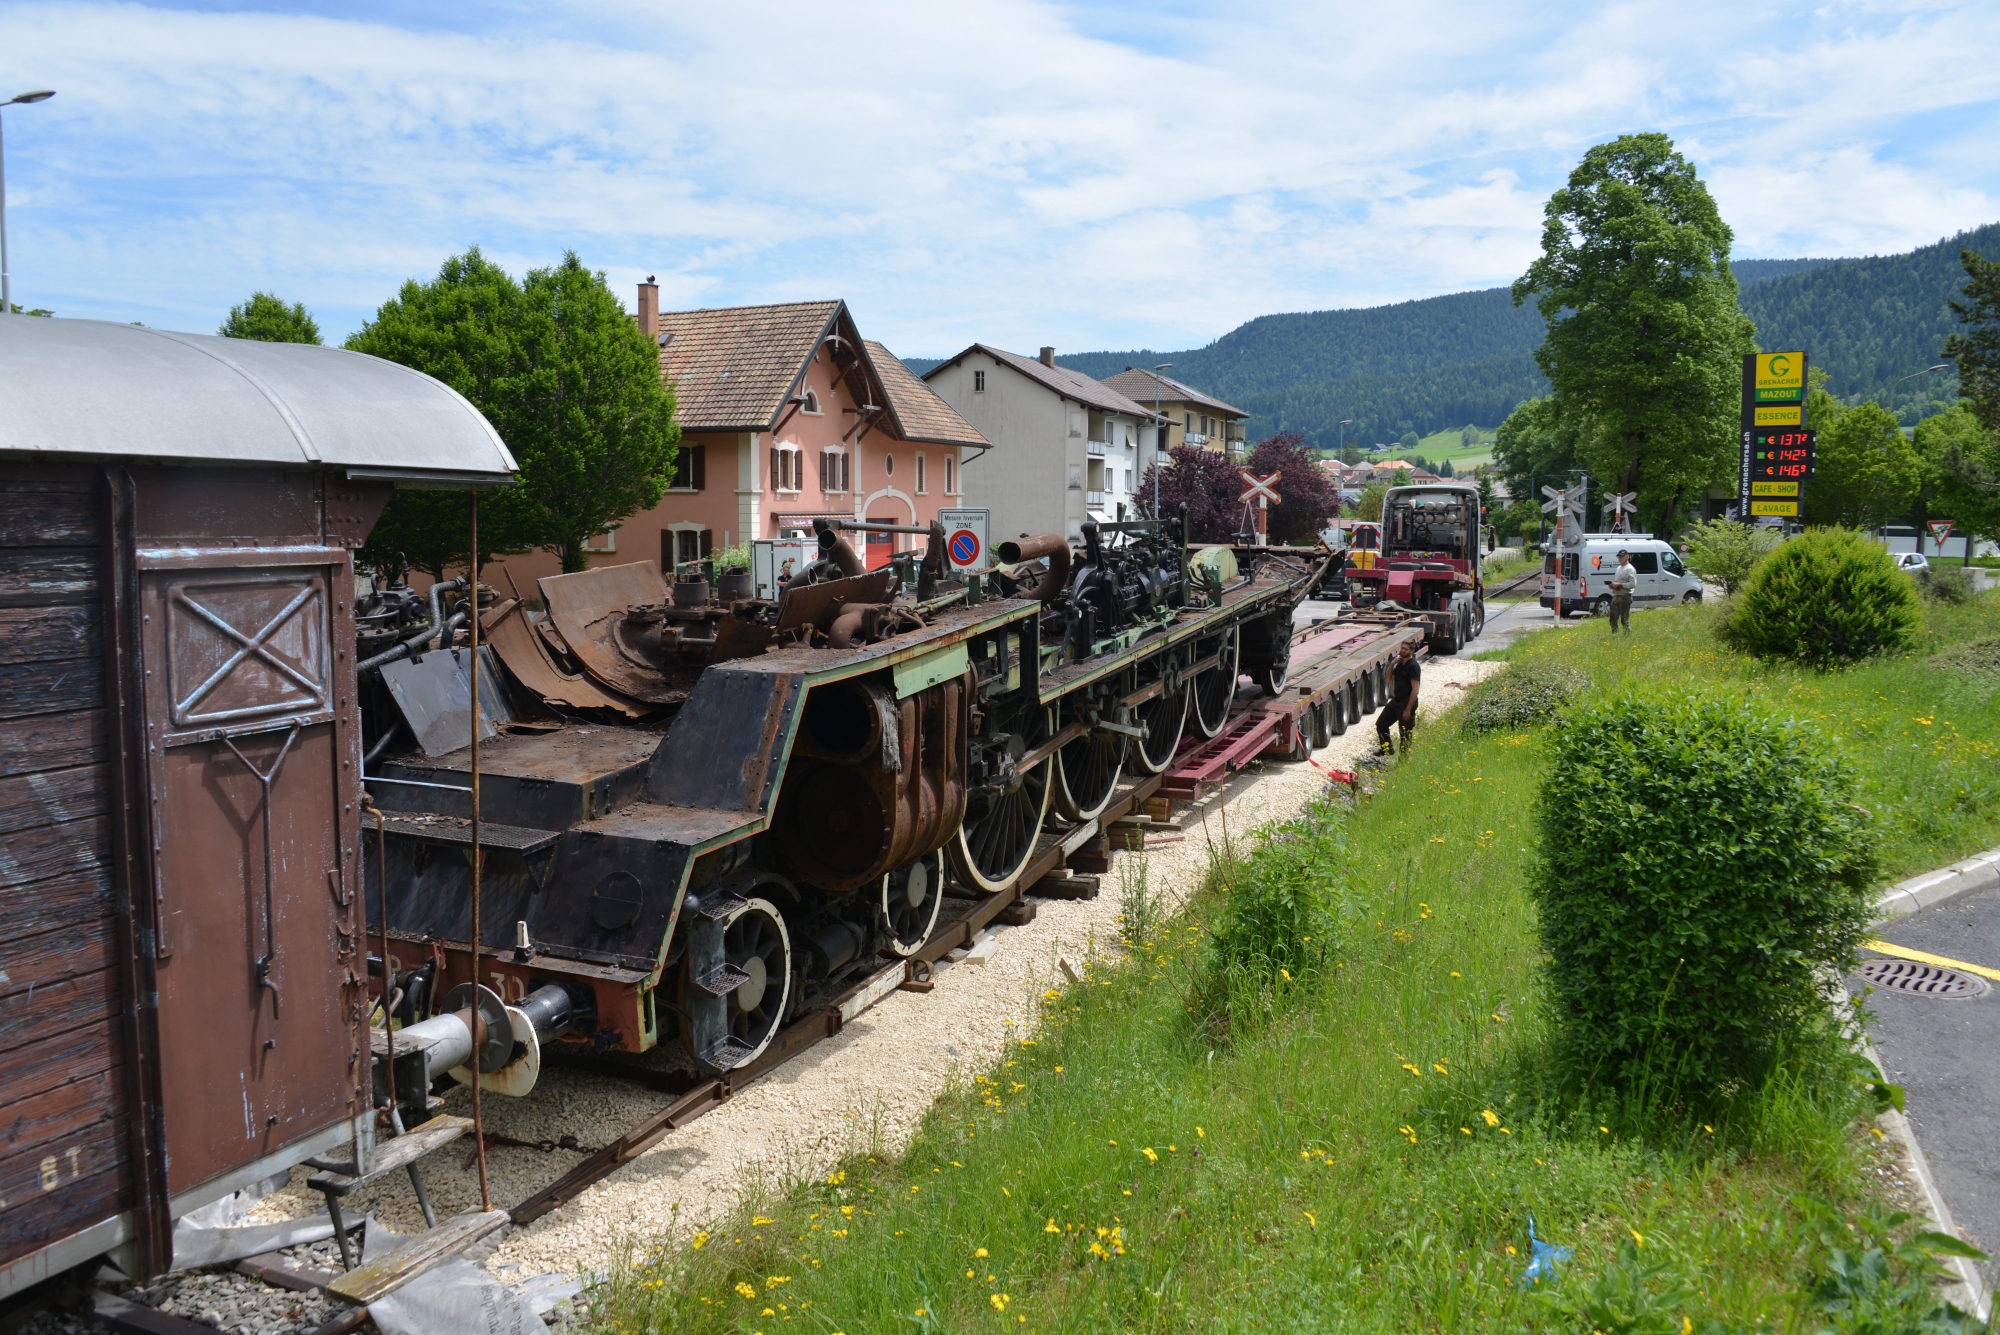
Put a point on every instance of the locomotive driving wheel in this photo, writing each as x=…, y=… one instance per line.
x=1088, y=766
x=1164, y=717
x=909, y=904
x=1005, y=808
x=1214, y=689
x=754, y=982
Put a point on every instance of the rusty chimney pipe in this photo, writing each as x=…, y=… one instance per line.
x=649, y=308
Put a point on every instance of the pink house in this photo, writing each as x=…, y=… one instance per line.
x=786, y=414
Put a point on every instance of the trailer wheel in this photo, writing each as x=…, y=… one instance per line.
x=1478, y=616
x=1214, y=689
x=1322, y=732
x=1087, y=769
x=1366, y=685
x=909, y=904
x=1340, y=709
x=997, y=836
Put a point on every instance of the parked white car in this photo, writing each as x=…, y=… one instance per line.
x=1912, y=561
x=1586, y=575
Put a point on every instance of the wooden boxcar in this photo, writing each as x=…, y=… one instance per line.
x=182, y=984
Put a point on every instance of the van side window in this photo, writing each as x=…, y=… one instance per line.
x=1646, y=563
x=1672, y=564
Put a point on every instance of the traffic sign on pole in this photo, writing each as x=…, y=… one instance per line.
x=965, y=536
x=1263, y=490
x=1618, y=505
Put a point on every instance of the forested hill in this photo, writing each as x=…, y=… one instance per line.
x=1469, y=357
x=1869, y=322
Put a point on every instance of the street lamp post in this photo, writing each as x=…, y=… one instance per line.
x=6, y=282
x=1159, y=436
x=1341, y=435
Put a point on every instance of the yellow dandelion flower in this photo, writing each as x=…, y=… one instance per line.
x=979, y=1253
x=1285, y=974
x=1008, y=1194
x=1311, y=1219
x=1150, y=1156
x=769, y=1311
x=1439, y=1068
x=746, y=1290
x=1465, y=1130
x=968, y=1274
x=1052, y=995
x=999, y=1301
x=1114, y=1142
x=1637, y=1240
x=1050, y=1227
x=1412, y=1069
x=1511, y=1251
x=1605, y=1130
x=1491, y=1119
x=758, y=1221
x=1505, y=1132
x=1199, y=1132
x=699, y=1241
x=847, y=1210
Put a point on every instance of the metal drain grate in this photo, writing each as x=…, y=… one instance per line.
x=1930, y=980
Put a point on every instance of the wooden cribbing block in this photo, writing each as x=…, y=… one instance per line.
x=1065, y=887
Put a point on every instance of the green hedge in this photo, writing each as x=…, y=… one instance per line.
x=1700, y=863
x=1827, y=597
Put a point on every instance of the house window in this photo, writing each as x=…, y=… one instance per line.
x=979, y=382
x=888, y=465
x=683, y=544
x=1187, y=424
x=950, y=476
x=1075, y=425
x=836, y=471
x=920, y=475
x=811, y=406
x=606, y=541
x=787, y=468
x=690, y=469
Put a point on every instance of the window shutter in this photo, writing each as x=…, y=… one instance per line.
x=825, y=475
x=667, y=552
x=847, y=472
x=777, y=476
x=708, y=542
x=698, y=469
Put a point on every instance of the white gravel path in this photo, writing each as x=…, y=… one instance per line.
x=867, y=1088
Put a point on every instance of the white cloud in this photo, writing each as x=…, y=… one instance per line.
x=1016, y=171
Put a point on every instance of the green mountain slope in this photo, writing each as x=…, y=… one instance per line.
x=1868, y=322
x=1468, y=357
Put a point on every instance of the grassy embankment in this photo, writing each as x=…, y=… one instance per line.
x=1367, y=1157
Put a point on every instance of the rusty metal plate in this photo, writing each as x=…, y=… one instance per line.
x=246, y=648
x=434, y=694
x=527, y=656
x=810, y=604
x=587, y=608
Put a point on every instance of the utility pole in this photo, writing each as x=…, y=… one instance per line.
x=1159, y=443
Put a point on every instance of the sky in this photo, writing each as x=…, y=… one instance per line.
x=1091, y=176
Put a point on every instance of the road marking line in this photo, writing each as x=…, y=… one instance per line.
x=1921, y=957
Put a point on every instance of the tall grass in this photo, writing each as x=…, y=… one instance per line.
x=1367, y=1159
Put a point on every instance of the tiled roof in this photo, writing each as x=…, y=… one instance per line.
x=1137, y=383
x=734, y=367
x=1070, y=384
x=918, y=410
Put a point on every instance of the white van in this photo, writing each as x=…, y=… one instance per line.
x=1586, y=574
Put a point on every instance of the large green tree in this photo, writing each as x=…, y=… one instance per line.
x=567, y=380
x=268, y=319
x=1645, y=338
x=1976, y=346
x=1867, y=473
x=1537, y=446
x=1962, y=460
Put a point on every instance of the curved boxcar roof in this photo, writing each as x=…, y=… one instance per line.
x=93, y=388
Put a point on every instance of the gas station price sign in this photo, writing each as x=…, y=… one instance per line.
x=1781, y=455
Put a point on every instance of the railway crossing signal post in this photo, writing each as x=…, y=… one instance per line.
x=1566, y=504
x=1259, y=495
x=1620, y=504
x=1778, y=447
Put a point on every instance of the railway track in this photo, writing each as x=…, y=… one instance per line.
x=1524, y=580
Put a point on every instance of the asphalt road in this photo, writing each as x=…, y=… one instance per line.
x=1505, y=622
x=1946, y=1056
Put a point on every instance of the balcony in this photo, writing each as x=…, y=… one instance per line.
x=1094, y=497
x=1097, y=447
x=1196, y=439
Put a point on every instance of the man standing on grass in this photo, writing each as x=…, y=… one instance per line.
x=1402, y=706
x=1623, y=581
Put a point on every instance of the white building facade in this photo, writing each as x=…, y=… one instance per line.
x=1066, y=448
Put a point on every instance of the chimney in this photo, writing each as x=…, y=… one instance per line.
x=1048, y=356
x=649, y=308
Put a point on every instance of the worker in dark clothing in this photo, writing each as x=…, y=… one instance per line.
x=1405, y=677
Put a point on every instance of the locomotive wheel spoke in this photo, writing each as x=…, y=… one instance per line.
x=1164, y=716
x=1214, y=689
x=1087, y=771
x=989, y=852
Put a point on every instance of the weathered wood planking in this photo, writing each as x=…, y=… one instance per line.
x=47, y=514
x=57, y=575
x=58, y=902
x=41, y=1064
x=51, y=957
x=60, y=1115
x=39, y=634
x=51, y=741
x=50, y=688
x=50, y=1192
x=52, y=796
x=54, y=850
x=58, y=1008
